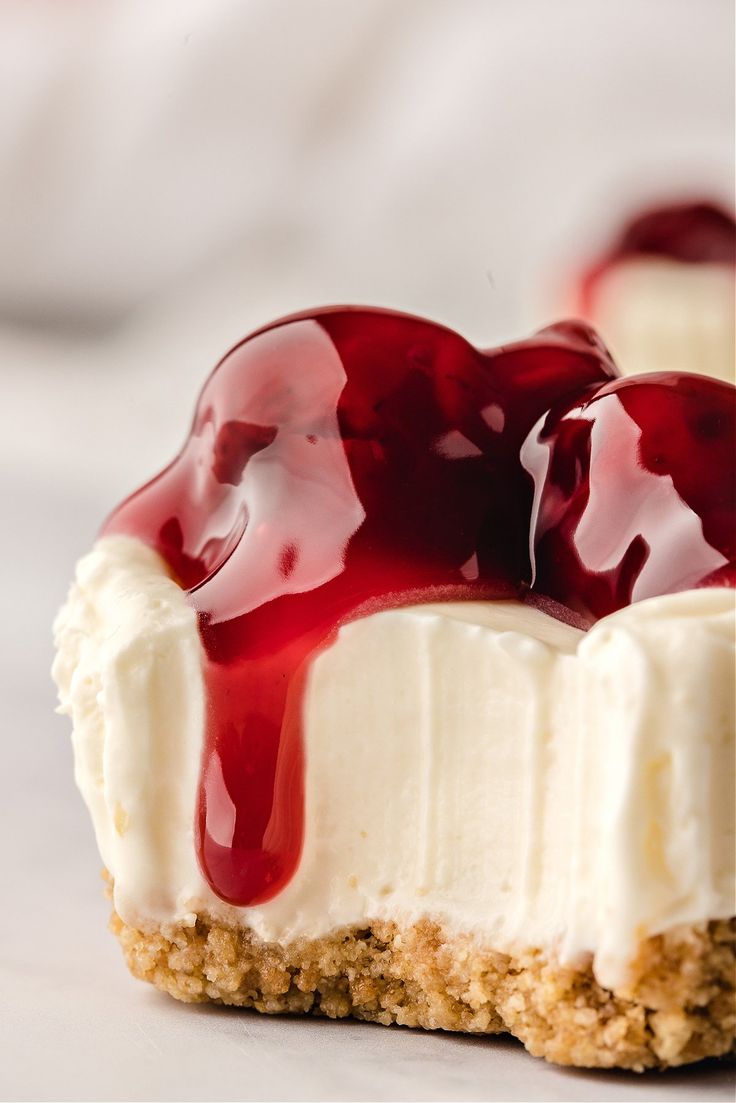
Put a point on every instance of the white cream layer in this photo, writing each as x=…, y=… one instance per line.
x=482, y=764
x=663, y=315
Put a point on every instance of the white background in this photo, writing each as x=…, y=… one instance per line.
x=171, y=175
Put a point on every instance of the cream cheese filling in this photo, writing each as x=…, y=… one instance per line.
x=478, y=763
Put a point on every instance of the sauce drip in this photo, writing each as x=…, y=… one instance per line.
x=352, y=460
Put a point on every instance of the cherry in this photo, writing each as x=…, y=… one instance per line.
x=635, y=492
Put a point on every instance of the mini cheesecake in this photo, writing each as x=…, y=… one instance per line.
x=663, y=295
x=406, y=692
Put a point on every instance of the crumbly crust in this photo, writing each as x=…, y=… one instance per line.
x=679, y=1007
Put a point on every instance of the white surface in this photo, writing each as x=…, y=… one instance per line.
x=221, y=171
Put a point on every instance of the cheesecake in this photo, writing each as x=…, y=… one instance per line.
x=406, y=692
x=663, y=293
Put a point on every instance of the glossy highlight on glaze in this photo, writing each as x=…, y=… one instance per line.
x=346, y=461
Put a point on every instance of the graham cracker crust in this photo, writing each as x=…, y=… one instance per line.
x=679, y=1008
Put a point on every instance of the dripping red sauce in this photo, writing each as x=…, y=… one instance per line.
x=692, y=233
x=352, y=460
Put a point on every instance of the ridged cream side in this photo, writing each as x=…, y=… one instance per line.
x=129, y=672
x=481, y=763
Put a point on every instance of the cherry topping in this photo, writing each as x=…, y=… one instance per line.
x=635, y=492
x=352, y=460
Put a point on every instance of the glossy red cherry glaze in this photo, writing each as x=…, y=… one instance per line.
x=339, y=463
x=635, y=492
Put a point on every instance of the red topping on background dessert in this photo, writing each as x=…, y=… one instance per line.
x=697, y=233
x=693, y=233
x=353, y=460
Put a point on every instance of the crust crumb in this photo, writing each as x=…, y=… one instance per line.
x=678, y=1008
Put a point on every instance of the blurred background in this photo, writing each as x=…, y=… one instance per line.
x=174, y=173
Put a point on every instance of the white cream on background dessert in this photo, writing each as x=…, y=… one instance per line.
x=662, y=315
x=664, y=295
